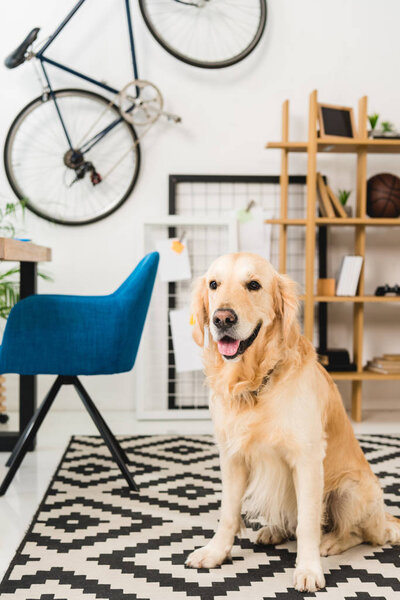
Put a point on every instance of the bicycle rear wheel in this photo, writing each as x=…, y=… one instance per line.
x=206, y=33
x=37, y=158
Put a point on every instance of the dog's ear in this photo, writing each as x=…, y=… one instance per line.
x=199, y=310
x=286, y=303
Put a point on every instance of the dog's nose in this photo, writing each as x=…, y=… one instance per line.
x=224, y=318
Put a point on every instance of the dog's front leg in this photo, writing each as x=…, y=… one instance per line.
x=309, y=481
x=234, y=481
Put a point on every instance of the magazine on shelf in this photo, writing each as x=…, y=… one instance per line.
x=349, y=276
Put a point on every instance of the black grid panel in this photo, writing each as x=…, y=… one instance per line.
x=219, y=196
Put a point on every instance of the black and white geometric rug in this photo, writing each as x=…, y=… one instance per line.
x=93, y=539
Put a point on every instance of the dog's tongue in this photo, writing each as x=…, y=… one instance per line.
x=228, y=348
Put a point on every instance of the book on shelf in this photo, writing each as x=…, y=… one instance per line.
x=386, y=364
x=323, y=198
x=337, y=205
x=349, y=275
x=371, y=366
x=329, y=204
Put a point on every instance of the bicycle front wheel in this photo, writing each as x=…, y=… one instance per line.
x=206, y=33
x=78, y=186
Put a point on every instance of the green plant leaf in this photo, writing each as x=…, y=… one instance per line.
x=9, y=289
x=9, y=296
x=343, y=196
x=12, y=271
x=373, y=120
x=387, y=126
x=45, y=276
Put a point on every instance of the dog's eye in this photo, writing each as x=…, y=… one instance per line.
x=253, y=285
x=213, y=285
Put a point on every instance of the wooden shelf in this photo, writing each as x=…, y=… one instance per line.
x=289, y=146
x=368, y=221
x=363, y=376
x=361, y=147
x=346, y=145
x=359, y=299
x=340, y=222
x=286, y=221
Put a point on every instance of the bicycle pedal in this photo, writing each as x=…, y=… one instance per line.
x=174, y=118
x=95, y=178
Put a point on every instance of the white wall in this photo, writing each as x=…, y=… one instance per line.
x=344, y=49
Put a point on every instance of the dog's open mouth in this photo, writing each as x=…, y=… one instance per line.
x=231, y=348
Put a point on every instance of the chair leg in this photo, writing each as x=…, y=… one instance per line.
x=28, y=434
x=116, y=451
x=99, y=416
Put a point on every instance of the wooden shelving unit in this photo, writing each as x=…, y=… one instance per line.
x=361, y=147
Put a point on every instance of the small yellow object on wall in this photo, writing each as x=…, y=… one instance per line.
x=177, y=246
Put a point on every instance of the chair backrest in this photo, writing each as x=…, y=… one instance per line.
x=133, y=298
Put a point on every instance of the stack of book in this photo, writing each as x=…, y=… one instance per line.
x=349, y=276
x=329, y=204
x=387, y=364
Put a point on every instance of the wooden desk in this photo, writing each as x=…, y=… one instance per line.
x=28, y=255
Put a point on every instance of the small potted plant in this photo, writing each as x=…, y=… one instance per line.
x=373, y=121
x=386, y=130
x=343, y=196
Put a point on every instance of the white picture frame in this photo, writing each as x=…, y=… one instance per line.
x=151, y=402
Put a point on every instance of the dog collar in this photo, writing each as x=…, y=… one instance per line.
x=264, y=382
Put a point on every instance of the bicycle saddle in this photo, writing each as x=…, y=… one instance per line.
x=17, y=57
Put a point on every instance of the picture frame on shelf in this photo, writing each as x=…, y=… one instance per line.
x=336, y=121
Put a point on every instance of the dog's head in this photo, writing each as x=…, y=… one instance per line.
x=239, y=298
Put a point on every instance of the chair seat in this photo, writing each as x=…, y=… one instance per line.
x=68, y=335
x=79, y=335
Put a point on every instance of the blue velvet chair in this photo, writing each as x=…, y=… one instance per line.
x=69, y=336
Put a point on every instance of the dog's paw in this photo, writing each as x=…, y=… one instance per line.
x=206, y=558
x=308, y=579
x=265, y=536
x=330, y=545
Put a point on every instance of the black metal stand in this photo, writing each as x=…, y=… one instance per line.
x=31, y=429
x=322, y=273
x=27, y=383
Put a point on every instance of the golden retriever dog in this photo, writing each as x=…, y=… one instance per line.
x=287, y=449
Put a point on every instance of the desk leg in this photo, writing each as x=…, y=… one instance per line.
x=27, y=383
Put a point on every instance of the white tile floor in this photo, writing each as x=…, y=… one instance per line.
x=18, y=506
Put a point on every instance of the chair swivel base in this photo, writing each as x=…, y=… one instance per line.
x=34, y=424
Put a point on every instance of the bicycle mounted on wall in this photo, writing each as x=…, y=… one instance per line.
x=83, y=170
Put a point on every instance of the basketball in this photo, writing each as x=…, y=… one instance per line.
x=383, y=195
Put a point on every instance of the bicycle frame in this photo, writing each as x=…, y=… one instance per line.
x=44, y=59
